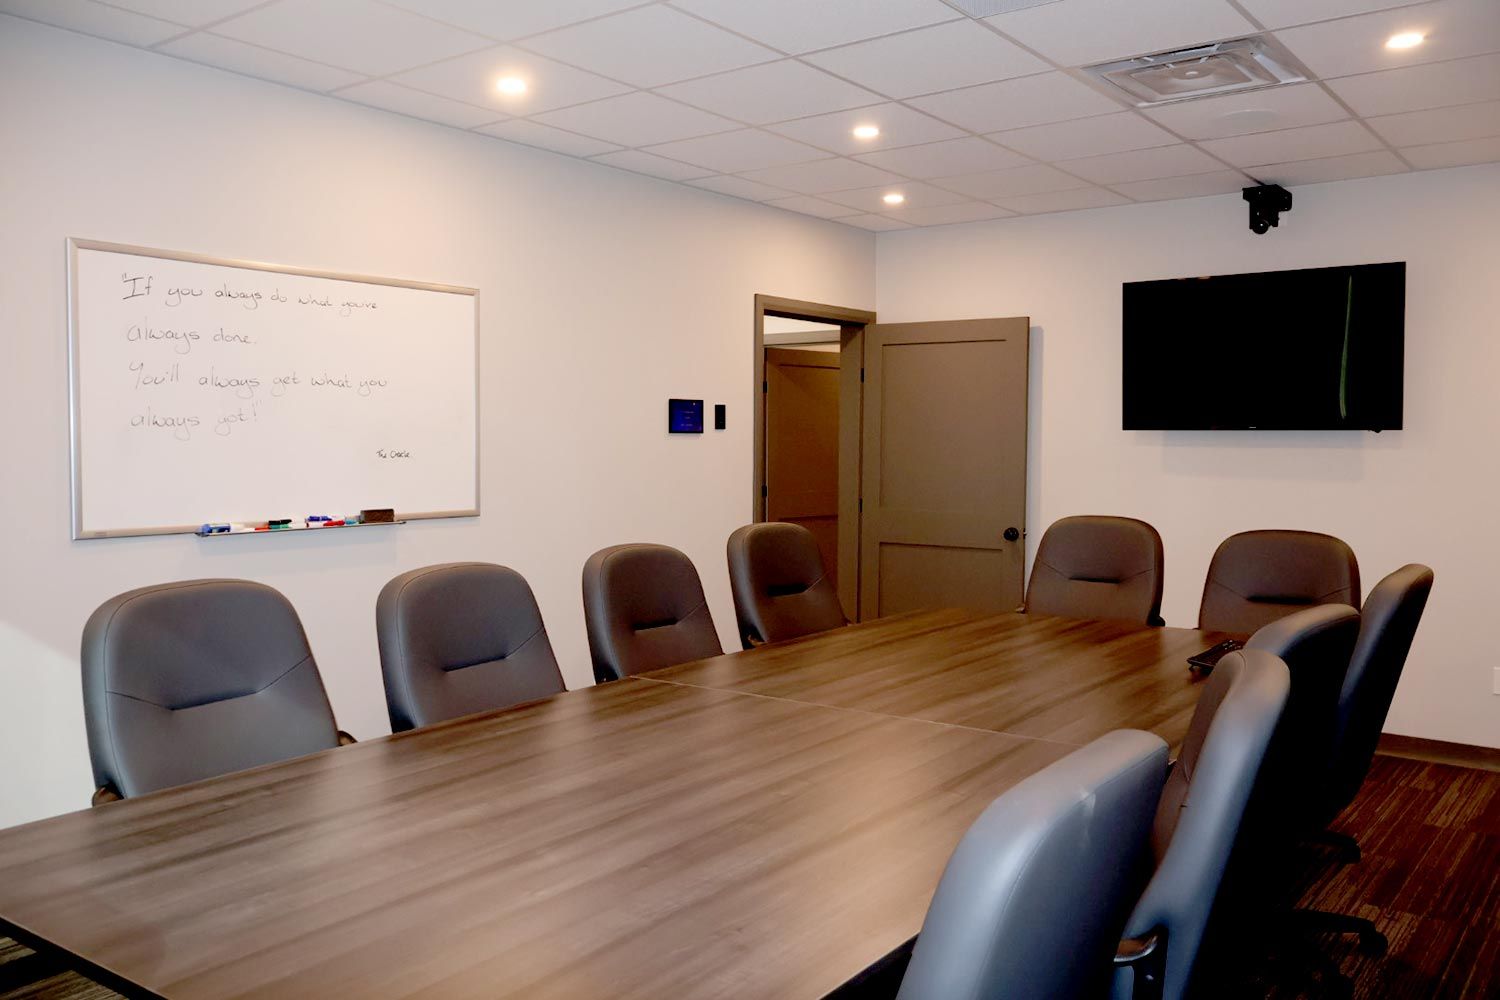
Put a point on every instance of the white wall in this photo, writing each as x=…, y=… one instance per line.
x=603, y=293
x=1424, y=494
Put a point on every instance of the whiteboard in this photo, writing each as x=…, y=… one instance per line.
x=211, y=390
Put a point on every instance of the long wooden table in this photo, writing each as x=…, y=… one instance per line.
x=761, y=824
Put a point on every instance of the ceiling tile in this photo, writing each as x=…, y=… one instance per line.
x=194, y=13
x=918, y=195
x=822, y=176
x=875, y=223
x=1064, y=201
x=771, y=93
x=1416, y=128
x=1453, y=154
x=1081, y=32
x=252, y=60
x=1143, y=164
x=1035, y=179
x=506, y=21
x=968, y=155
x=898, y=124
x=1192, y=186
x=739, y=187
x=656, y=166
x=1414, y=88
x=529, y=133
x=358, y=35
x=394, y=97
x=1257, y=111
x=1332, y=168
x=472, y=78
x=94, y=19
x=798, y=26
x=1293, y=144
x=947, y=215
x=732, y=152
x=806, y=204
x=1454, y=28
x=1281, y=13
x=1086, y=137
x=637, y=119
x=650, y=46
x=1029, y=100
x=943, y=57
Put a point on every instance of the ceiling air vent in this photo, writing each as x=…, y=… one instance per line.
x=1201, y=71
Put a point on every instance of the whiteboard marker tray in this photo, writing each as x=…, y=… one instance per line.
x=291, y=528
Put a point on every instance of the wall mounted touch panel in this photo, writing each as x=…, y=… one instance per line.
x=214, y=390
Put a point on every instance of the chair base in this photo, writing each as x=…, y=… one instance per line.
x=1345, y=848
x=1371, y=941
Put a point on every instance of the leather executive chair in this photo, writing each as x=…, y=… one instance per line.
x=185, y=681
x=1256, y=577
x=1096, y=566
x=779, y=586
x=461, y=638
x=1199, y=816
x=644, y=608
x=1034, y=897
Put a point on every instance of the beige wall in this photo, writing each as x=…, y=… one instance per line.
x=1424, y=494
x=597, y=289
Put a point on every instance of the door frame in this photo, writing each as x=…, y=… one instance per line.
x=851, y=323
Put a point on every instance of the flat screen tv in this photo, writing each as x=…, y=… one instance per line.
x=1315, y=349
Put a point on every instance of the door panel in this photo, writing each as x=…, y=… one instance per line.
x=802, y=445
x=944, y=465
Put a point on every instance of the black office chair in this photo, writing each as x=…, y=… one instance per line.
x=1095, y=566
x=644, y=609
x=780, y=588
x=185, y=681
x=1257, y=577
x=461, y=638
x=1198, y=819
x=1035, y=895
x=1388, y=624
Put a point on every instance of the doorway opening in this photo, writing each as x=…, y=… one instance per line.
x=809, y=360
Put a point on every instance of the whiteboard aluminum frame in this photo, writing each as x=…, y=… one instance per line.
x=75, y=428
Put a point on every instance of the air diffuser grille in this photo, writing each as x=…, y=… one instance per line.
x=1201, y=71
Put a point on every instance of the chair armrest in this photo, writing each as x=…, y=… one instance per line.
x=1146, y=957
x=345, y=739
x=105, y=794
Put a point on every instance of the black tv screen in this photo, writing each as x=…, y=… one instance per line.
x=1315, y=349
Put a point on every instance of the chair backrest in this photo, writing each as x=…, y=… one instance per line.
x=645, y=609
x=1035, y=895
x=184, y=681
x=780, y=588
x=1094, y=566
x=461, y=638
x=1257, y=577
x=1201, y=807
x=1387, y=626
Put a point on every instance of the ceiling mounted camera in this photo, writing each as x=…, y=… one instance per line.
x=1267, y=202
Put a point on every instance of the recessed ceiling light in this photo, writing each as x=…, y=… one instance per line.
x=512, y=85
x=1405, y=40
x=866, y=131
x=894, y=198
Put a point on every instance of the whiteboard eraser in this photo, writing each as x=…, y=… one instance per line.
x=377, y=515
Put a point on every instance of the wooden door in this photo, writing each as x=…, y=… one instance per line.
x=802, y=445
x=944, y=483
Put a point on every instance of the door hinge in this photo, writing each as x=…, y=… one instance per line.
x=763, y=491
x=861, y=374
x=765, y=386
x=861, y=502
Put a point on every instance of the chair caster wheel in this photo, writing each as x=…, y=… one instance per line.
x=1374, y=944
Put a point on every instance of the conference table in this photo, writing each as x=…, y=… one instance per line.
x=768, y=823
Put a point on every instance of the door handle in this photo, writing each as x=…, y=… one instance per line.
x=1011, y=534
